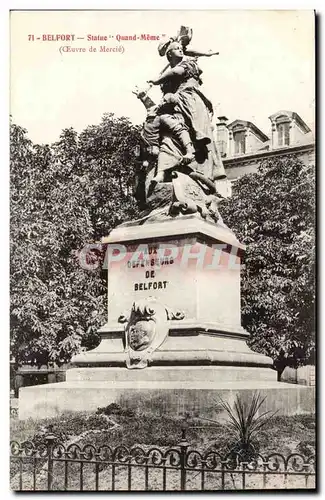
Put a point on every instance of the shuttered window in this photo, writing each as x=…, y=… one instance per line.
x=240, y=142
x=283, y=134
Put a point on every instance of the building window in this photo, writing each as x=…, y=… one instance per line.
x=283, y=134
x=239, y=141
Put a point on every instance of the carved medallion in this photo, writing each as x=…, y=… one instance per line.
x=146, y=328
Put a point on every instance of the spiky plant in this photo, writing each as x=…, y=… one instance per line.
x=245, y=423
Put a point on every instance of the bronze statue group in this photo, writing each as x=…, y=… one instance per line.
x=178, y=132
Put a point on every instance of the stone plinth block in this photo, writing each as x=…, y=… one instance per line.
x=187, y=264
x=169, y=394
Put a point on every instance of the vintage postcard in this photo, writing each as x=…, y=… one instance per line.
x=162, y=246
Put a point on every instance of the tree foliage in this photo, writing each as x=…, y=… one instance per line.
x=273, y=213
x=64, y=196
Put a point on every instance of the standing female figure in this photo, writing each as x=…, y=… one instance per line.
x=183, y=78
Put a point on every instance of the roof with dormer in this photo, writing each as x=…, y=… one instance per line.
x=245, y=124
x=292, y=116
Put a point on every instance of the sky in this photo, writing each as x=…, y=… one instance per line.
x=266, y=63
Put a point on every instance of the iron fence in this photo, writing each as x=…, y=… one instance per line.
x=55, y=466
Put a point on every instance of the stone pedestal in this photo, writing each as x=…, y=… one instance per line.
x=190, y=266
x=173, y=340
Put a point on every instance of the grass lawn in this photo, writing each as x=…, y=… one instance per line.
x=281, y=434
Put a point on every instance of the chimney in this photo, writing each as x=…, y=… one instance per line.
x=222, y=135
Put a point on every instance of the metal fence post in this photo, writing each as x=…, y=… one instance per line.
x=50, y=438
x=183, y=446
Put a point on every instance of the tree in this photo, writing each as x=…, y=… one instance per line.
x=108, y=163
x=62, y=197
x=273, y=213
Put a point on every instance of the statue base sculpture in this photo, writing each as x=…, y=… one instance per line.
x=173, y=341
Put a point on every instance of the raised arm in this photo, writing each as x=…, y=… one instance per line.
x=144, y=98
x=197, y=53
x=170, y=72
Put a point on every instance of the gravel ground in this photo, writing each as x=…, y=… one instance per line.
x=155, y=479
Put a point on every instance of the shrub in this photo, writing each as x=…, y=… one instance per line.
x=244, y=425
x=115, y=409
x=306, y=447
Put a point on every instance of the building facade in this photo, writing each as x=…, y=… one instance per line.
x=243, y=145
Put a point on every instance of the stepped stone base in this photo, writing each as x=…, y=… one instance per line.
x=169, y=391
x=201, y=353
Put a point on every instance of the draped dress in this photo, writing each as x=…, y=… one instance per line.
x=197, y=111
